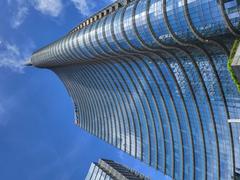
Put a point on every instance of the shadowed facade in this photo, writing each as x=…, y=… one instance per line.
x=110, y=170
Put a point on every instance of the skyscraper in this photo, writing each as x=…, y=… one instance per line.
x=150, y=77
x=107, y=169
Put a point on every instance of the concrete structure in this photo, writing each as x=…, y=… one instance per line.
x=110, y=170
x=150, y=77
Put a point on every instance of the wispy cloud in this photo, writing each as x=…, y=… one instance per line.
x=49, y=7
x=20, y=9
x=53, y=8
x=87, y=7
x=19, y=17
x=12, y=57
x=83, y=6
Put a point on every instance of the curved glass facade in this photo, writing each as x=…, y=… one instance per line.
x=143, y=20
x=151, y=79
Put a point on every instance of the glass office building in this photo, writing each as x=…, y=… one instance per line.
x=110, y=170
x=150, y=77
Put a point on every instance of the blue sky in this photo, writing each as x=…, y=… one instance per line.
x=38, y=139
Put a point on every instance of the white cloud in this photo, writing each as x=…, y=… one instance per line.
x=20, y=9
x=19, y=17
x=49, y=7
x=83, y=6
x=86, y=7
x=12, y=57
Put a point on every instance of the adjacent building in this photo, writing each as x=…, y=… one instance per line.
x=110, y=170
x=150, y=77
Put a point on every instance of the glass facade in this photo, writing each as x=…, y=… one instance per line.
x=151, y=78
x=110, y=170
